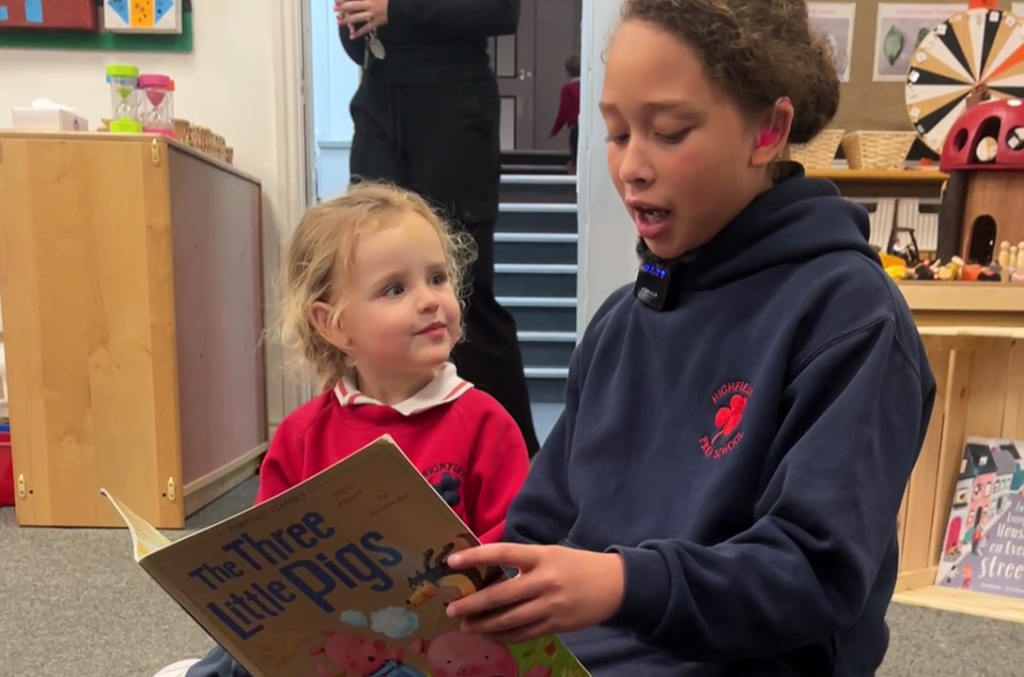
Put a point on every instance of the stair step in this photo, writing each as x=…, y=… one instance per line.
x=536, y=207
x=546, y=372
x=546, y=384
x=536, y=237
x=537, y=268
x=547, y=353
x=536, y=248
x=534, y=302
x=536, y=157
x=547, y=336
x=535, y=169
x=537, y=188
x=541, y=314
x=550, y=180
x=537, y=217
x=535, y=279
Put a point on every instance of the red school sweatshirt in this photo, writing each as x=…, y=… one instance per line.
x=568, y=106
x=465, y=444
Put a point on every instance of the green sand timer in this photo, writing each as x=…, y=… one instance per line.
x=124, y=98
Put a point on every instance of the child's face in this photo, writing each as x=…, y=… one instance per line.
x=681, y=154
x=401, y=316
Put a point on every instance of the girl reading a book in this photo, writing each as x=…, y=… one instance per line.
x=719, y=498
x=372, y=284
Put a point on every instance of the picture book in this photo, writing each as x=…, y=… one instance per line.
x=344, y=575
x=983, y=548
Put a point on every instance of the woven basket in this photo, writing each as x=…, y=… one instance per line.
x=819, y=153
x=181, y=128
x=877, y=150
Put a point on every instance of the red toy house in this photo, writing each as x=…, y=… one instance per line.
x=984, y=199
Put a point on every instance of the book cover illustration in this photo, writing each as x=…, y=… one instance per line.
x=983, y=548
x=344, y=575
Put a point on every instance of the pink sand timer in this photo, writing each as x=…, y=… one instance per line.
x=124, y=102
x=157, y=115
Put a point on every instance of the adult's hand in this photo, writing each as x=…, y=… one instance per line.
x=370, y=14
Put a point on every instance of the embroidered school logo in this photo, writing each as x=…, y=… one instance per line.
x=448, y=487
x=446, y=478
x=731, y=399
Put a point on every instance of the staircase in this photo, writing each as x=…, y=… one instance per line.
x=534, y=162
x=535, y=269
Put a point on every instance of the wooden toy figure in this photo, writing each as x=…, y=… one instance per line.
x=983, y=156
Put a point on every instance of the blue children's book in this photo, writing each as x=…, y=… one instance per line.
x=344, y=574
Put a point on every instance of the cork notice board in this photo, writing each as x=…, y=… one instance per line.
x=868, y=105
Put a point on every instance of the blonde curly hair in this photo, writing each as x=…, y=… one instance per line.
x=324, y=243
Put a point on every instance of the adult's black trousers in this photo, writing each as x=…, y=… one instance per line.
x=441, y=140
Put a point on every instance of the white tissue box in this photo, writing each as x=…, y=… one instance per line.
x=48, y=119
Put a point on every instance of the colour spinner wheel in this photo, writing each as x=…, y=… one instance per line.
x=972, y=48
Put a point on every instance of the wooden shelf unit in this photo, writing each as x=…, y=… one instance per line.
x=974, y=335
x=132, y=285
x=898, y=183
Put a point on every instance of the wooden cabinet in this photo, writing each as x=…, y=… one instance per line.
x=131, y=278
x=973, y=333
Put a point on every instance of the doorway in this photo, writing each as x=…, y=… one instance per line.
x=530, y=67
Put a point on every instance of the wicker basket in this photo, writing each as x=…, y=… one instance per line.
x=819, y=153
x=877, y=150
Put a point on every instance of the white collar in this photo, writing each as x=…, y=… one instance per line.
x=446, y=387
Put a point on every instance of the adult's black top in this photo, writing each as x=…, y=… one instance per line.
x=431, y=41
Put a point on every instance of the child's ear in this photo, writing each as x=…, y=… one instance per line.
x=774, y=134
x=330, y=329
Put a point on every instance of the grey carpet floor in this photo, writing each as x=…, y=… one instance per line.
x=74, y=604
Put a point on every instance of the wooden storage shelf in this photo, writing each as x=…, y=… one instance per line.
x=869, y=183
x=964, y=602
x=131, y=277
x=973, y=333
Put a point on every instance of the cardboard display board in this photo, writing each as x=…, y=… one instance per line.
x=866, y=104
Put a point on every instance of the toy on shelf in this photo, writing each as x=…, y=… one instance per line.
x=157, y=114
x=124, y=100
x=924, y=270
x=982, y=201
x=1008, y=267
x=1011, y=261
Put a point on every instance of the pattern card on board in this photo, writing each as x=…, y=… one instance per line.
x=142, y=16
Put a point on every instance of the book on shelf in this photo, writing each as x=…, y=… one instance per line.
x=983, y=546
x=343, y=574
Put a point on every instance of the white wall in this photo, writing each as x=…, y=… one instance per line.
x=241, y=80
x=607, y=237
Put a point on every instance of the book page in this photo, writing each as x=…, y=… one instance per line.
x=145, y=538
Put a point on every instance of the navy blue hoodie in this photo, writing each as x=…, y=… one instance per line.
x=746, y=452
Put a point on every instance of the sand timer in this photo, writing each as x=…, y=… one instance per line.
x=157, y=115
x=124, y=101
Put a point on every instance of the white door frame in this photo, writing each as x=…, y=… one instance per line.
x=606, y=245
x=293, y=109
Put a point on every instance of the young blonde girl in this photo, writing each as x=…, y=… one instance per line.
x=372, y=282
